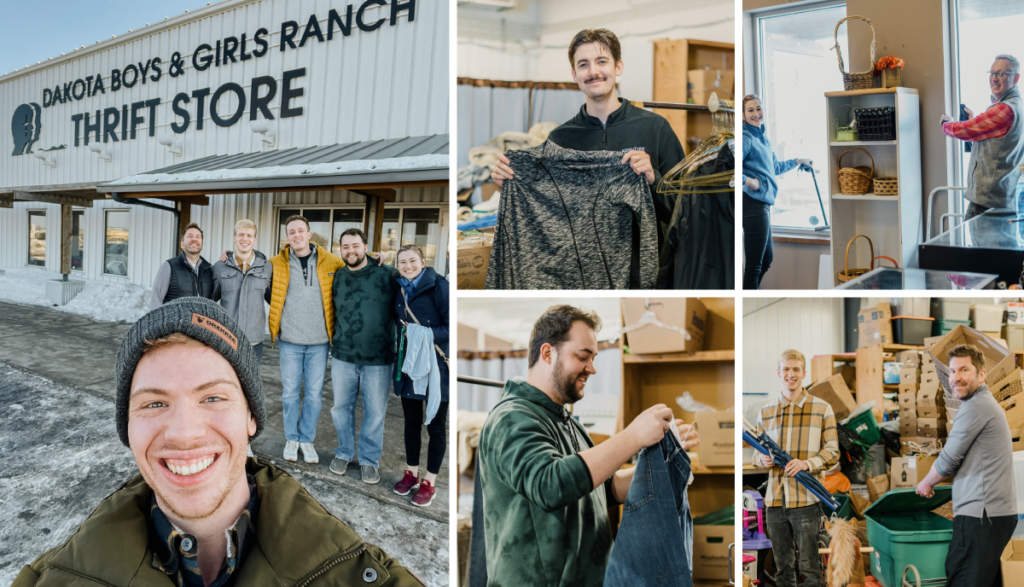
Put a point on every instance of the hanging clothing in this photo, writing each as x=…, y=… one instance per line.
x=421, y=366
x=654, y=545
x=573, y=220
x=700, y=247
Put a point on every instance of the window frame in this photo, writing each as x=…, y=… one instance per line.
x=756, y=57
x=81, y=227
x=106, y=224
x=28, y=256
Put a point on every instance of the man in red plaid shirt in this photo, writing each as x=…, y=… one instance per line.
x=998, y=137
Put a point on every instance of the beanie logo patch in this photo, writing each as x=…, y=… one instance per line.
x=216, y=328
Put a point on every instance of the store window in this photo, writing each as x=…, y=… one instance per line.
x=977, y=24
x=795, y=66
x=77, y=239
x=37, y=238
x=326, y=224
x=115, y=245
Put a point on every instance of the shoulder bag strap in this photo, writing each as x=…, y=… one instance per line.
x=408, y=310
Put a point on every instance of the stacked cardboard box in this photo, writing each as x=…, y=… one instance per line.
x=922, y=406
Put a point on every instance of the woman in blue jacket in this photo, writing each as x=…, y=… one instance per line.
x=759, y=189
x=427, y=295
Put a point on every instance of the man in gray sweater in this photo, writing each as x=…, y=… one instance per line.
x=241, y=283
x=979, y=452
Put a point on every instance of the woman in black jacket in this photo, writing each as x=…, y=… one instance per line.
x=425, y=302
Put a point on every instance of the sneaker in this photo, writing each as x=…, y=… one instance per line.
x=370, y=474
x=409, y=481
x=425, y=495
x=291, y=450
x=309, y=453
x=339, y=466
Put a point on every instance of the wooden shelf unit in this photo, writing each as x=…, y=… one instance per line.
x=672, y=61
x=870, y=373
x=708, y=375
x=894, y=232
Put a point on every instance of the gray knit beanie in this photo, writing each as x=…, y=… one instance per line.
x=205, y=321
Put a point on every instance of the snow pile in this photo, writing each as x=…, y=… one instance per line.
x=338, y=167
x=100, y=300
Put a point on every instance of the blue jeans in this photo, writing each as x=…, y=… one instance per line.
x=373, y=382
x=654, y=546
x=302, y=362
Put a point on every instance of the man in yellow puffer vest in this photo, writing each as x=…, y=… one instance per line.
x=302, y=316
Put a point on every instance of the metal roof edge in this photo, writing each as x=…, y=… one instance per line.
x=254, y=185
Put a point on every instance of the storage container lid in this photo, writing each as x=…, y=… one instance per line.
x=912, y=318
x=907, y=500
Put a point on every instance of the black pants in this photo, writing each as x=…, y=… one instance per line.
x=975, y=210
x=974, y=550
x=413, y=411
x=789, y=527
x=757, y=241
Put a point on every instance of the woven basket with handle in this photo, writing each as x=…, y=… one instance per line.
x=855, y=181
x=848, y=274
x=864, y=80
x=845, y=134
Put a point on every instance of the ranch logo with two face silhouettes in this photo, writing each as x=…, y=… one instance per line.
x=25, y=127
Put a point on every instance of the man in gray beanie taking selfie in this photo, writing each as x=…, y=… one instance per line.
x=189, y=401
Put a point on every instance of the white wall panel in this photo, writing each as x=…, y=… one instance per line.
x=389, y=83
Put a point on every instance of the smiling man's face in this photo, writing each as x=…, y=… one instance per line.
x=574, y=362
x=792, y=374
x=189, y=428
x=595, y=70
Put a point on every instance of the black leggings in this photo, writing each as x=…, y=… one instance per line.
x=757, y=241
x=413, y=411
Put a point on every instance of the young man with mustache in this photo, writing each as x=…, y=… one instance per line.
x=200, y=514
x=362, y=353
x=609, y=123
x=979, y=451
x=805, y=427
x=546, y=487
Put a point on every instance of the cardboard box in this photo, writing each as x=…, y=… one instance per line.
x=1014, y=336
x=1017, y=436
x=1015, y=313
x=849, y=373
x=909, y=471
x=951, y=309
x=935, y=443
x=910, y=359
x=928, y=368
x=471, y=266
x=1009, y=386
x=908, y=401
x=908, y=425
x=929, y=343
x=877, y=487
x=932, y=427
x=931, y=411
x=987, y=317
x=998, y=360
x=717, y=438
x=834, y=391
x=1013, y=409
x=700, y=83
x=909, y=375
x=929, y=398
x=919, y=307
x=687, y=313
x=1011, y=563
x=875, y=325
x=711, y=551
x=909, y=388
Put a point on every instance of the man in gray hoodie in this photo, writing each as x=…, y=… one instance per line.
x=241, y=284
x=979, y=452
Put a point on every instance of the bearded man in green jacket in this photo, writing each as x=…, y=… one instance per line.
x=189, y=401
x=546, y=487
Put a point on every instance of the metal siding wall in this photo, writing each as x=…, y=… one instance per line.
x=813, y=326
x=390, y=83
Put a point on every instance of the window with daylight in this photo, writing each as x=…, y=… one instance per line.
x=37, y=238
x=77, y=239
x=795, y=66
x=326, y=224
x=115, y=246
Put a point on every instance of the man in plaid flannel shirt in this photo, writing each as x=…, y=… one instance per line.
x=998, y=138
x=805, y=427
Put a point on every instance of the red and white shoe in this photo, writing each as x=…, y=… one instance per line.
x=409, y=481
x=425, y=495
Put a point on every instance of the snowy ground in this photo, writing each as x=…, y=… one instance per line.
x=60, y=456
x=100, y=300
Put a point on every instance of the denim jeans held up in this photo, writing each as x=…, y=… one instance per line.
x=302, y=363
x=350, y=381
x=654, y=546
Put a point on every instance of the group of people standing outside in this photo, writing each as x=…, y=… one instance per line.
x=373, y=321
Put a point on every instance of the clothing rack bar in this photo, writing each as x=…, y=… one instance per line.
x=690, y=107
x=480, y=381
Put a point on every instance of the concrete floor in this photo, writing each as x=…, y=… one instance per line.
x=48, y=360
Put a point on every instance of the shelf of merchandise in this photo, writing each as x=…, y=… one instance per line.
x=870, y=373
x=893, y=233
x=669, y=86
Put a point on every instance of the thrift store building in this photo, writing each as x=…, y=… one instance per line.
x=255, y=109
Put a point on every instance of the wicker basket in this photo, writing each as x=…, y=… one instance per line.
x=846, y=134
x=848, y=274
x=886, y=186
x=855, y=181
x=864, y=80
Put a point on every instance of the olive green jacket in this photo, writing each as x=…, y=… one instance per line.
x=298, y=543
